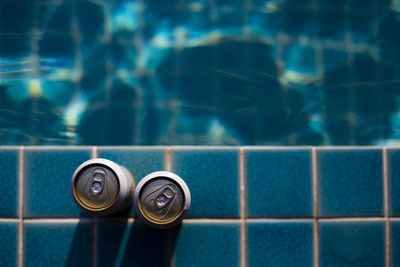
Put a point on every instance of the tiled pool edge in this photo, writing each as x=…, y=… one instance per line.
x=384, y=220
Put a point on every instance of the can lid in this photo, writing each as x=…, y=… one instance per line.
x=96, y=187
x=162, y=198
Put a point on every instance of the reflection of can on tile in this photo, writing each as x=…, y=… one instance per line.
x=162, y=199
x=100, y=186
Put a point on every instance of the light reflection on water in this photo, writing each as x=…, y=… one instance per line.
x=200, y=72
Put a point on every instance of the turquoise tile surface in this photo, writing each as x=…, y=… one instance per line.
x=9, y=182
x=354, y=243
x=393, y=158
x=395, y=255
x=47, y=186
x=8, y=244
x=280, y=243
x=350, y=182
x=212, y=176
x=127, y=243
x=58, y=244
x=207, y=244
x=139, y=162
x=279, y=183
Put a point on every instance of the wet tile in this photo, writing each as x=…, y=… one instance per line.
x=213, y=179
x=54, y=44
x=124, y=244
x=279, y=183
x=207, y=244
x=14, y=46
x=18, y=18
x=350, y=182
x=280, y=243
x=9, y=182
x=48, y=174
x=234, y=4
x=91, y=24
x=327, y=29
x=51, y=244
x=352, y=243
x=8, y=244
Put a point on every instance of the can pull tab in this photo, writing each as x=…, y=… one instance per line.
x=97, y=181
x=165, y=197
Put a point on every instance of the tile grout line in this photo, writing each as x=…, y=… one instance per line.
x=168, y=159
x=208, y=220
x=352, y=219
x=94, y=154
x=315, y=206
x=21, y=173
x=386, y=206
x=243, y=232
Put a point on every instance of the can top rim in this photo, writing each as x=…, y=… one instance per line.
x=77, y=193
x=165, y=175
x=112, y=166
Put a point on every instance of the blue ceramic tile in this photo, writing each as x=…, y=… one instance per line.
x=280, y=243
x=126, y=244
x=8, y=244
x=14, y=46
x=56, y=45
x=212, y=177
x=59, y=20
x=9, y=182
x=58, y=244
x=139, y=162
x=393, y=160
x=395, y=230
x=350, y=182
x=327, y=29
x=352, y=244
x=18, y=17
x=48, y=174
x=236, y=4
x=279, y=183
x=91, y=24
x=207, y=244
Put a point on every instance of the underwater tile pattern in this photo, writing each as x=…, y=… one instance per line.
x=251, y=206
x=350, y=182
x=195, y=72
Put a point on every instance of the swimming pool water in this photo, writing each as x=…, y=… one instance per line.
x=204, y=72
